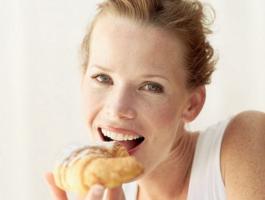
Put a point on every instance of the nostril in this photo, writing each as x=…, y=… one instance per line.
x=129, y=114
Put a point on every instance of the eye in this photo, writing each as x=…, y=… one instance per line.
x=102, y=78
x=153, y=87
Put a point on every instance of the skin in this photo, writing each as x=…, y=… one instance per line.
x=242, y=156
x=131, y=63
x=135, y=80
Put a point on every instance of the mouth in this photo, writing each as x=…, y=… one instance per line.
x=130, y=142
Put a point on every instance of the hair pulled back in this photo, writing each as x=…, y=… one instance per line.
x=186, y=19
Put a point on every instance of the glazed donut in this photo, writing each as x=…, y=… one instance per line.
x=85, y=166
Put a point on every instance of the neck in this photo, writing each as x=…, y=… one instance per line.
x=170, y=179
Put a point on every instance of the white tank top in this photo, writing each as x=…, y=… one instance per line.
x=206, y=181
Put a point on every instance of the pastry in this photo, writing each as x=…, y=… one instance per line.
x=85, y=166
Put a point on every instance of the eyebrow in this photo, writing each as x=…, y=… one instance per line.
x=101, y=67
x=156, y=76
x=145, y=75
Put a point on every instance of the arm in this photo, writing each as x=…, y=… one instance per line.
x=243, y=157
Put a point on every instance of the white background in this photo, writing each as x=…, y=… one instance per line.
x=40, y=75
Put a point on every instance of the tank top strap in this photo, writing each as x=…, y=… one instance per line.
x=206, y=180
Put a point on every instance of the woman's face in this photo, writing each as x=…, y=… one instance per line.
x=134, y=87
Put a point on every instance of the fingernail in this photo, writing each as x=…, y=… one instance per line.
x=98, y=190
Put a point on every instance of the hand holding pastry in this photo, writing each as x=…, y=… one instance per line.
x=109, y=166
x=95, y=193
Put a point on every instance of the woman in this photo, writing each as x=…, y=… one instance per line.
x=146, y=64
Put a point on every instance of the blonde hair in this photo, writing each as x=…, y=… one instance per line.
x=183, y=18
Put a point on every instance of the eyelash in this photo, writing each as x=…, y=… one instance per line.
x=98, y=76
x=157, y=88
x=148, y=86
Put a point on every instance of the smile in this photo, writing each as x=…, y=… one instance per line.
x=127, y=140
x=119, y=137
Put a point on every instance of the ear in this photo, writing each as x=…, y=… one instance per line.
x=194, y=104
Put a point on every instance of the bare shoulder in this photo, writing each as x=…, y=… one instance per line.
x=243, y=156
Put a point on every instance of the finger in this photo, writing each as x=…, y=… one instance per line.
x=115, y=194
x=57, y=193
x=95, y=193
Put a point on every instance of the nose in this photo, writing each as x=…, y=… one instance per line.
x=121, y=104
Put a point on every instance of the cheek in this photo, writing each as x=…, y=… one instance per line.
x=163, y=123
x=91, y=102
x=167, y=116
x=164, y=115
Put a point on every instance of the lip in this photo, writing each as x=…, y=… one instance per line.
x=122, y=131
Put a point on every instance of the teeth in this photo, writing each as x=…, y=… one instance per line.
x=118, y=136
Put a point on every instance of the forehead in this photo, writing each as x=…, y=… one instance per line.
x=117, y=40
